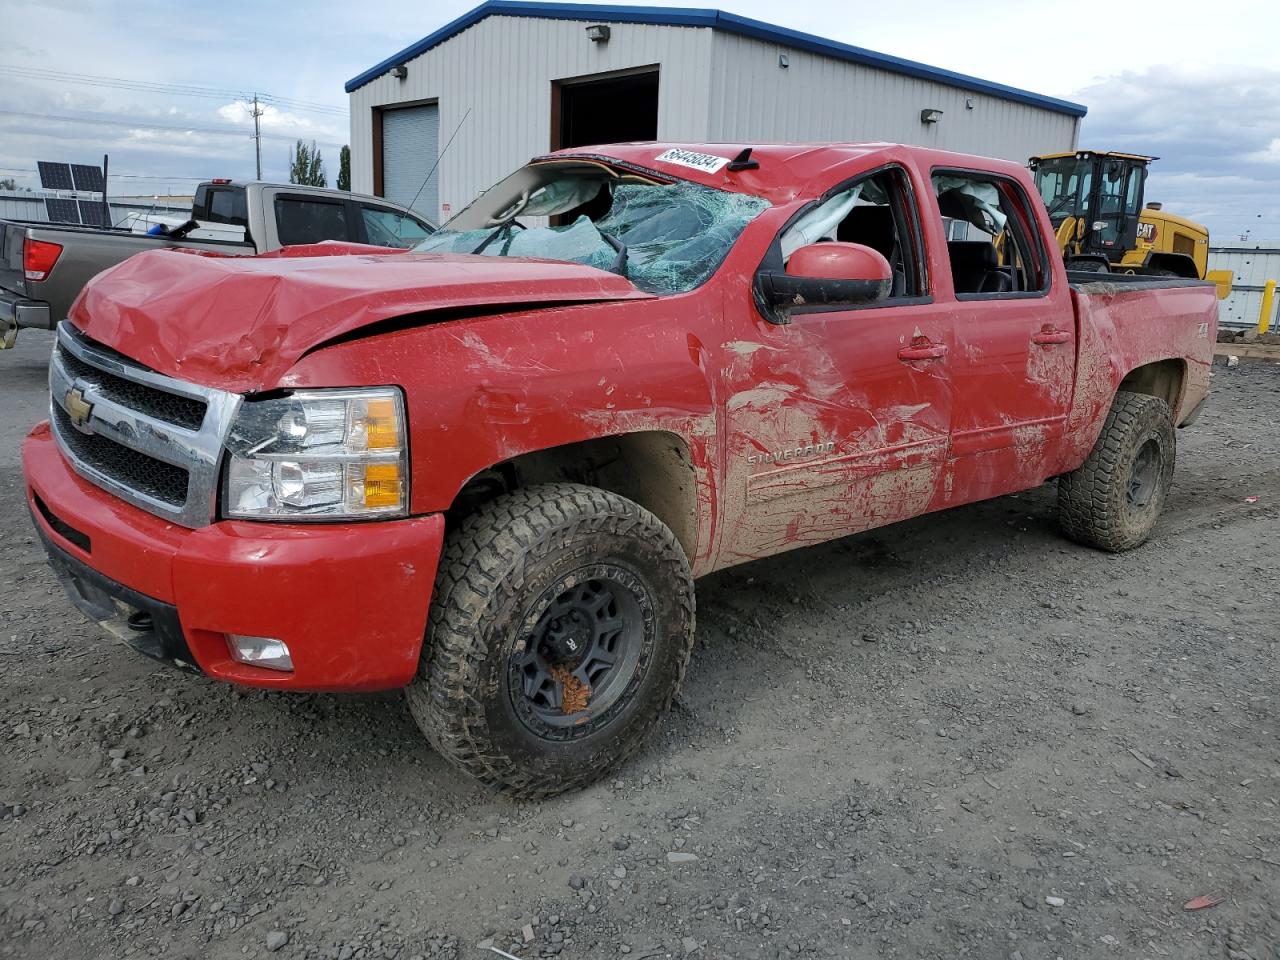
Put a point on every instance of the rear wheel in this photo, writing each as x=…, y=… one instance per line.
x=561, y=628
x=1114, y=499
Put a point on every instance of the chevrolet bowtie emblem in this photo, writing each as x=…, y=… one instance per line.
x=78, y=408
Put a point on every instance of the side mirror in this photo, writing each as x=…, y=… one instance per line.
x=829, y=274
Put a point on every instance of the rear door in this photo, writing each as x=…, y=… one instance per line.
x=838, y=420
x=1013, y=363
x=313, y=218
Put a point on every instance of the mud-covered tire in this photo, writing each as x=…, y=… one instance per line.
x=1114, y=499
x=497, y=567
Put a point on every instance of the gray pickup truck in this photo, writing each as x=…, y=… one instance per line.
x=44, y=266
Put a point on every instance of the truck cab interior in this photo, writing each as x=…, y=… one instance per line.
x=992, y=253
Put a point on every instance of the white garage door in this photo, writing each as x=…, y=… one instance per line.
x=410, y=147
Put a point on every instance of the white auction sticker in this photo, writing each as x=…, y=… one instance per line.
x=706, y=162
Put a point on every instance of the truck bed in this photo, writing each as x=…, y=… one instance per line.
x=1090, y=281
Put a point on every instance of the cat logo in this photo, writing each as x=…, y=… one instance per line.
x=78, y=408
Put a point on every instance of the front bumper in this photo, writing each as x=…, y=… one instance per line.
x=16, y=311
x=349, y=599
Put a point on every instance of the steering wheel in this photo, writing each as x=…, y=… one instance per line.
x=513, y=211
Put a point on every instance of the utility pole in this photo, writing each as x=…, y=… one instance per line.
x=257, y=135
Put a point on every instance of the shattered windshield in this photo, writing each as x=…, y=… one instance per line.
x=664, y=238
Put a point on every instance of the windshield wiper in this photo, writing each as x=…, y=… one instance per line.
x=1060, y=203
x=490, y=238
x=619, y=265
x=484, y=244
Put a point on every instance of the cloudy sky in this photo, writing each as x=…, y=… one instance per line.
x=159, y=85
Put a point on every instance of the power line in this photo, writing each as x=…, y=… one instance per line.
x=140, y=125
x=114, y=176
x=170, y=89
x=36, y=73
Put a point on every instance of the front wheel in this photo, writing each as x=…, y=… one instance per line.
x=561, y=628
x=1114, y=499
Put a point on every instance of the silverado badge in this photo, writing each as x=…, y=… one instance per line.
x=78, y=408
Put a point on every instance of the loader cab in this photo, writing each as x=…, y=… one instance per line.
x=1094, y=200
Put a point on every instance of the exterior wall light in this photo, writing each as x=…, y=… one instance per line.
x=930, y=115
x=598, y=33
x=400, y=71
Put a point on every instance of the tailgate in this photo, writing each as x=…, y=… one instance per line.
x=11, y=278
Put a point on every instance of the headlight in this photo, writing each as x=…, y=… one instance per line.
x=321, y=453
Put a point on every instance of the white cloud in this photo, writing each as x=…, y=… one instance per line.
x=1214, y=130
x=273, y=118
x=1271, y=154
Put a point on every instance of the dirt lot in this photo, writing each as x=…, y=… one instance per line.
x=960, y=736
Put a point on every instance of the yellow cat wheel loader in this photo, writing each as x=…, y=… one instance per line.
x=1095, y=201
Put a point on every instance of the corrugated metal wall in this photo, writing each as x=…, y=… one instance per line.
x=819, y=98
x=712, y=86
x=502, y=69
x=1253, y=264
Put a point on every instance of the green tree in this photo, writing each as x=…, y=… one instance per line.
x=306, y=166
x=344, y=168
x=8, y=183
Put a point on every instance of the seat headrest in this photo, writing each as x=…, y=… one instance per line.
x=972, y=255
x=871, y=226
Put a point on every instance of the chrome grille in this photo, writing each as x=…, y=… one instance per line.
x=147, y=438
x=182, y=411
x=147, y=475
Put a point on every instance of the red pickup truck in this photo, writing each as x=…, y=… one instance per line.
x=489, y=469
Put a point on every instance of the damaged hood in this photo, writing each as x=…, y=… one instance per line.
x=240, y=323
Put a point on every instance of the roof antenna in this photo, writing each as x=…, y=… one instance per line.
x=743, y=161
x=427, y=178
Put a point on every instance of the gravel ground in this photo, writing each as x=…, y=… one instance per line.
x=959, y=736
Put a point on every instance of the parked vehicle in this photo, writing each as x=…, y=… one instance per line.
x=44, y=266
x=491, y=468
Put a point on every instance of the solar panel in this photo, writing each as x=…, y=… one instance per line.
x=62, y=211
x=88, y=178
x=94, y=214
x=55, y=176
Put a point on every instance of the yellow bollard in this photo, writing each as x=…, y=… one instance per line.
x=1264, y=315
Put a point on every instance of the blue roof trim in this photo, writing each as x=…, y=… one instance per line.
x=717, y=20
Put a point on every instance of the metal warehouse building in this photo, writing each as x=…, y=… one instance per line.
x=1252, y=263
x=510, y=80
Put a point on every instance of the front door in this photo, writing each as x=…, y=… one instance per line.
x=838, y=421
